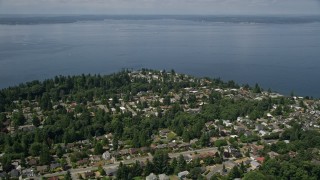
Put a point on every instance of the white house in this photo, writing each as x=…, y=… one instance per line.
x=106, y=155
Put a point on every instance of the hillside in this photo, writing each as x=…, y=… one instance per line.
x=202, y=126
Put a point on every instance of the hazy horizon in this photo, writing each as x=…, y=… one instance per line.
x=163, y=7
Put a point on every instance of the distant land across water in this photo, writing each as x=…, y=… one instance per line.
x=281, y=53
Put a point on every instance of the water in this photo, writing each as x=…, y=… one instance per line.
x=278, y=53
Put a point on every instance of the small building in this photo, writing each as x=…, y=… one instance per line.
x=14, y=173
x=229, y=164
x=260, y=159
x=254, y=165
x=152, y=177
x=163, y=177
x=194, y=141
x=106, y=155
x=258, y=127
x=183, y=174
x=83, y=162
x=32, y=162
x=28, y=172
x=54, y=166
x=3, y=175
x=42, y=169
x=26, y=128
x=273, y=154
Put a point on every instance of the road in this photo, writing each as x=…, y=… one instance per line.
x=74, y=172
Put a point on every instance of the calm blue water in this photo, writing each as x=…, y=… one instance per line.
x=284, y=56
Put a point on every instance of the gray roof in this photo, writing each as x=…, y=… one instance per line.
x=151, y=177
x=183, y=173
x=163, y=177
x=3, y=174
x=14, y=173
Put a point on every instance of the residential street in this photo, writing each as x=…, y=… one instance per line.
x=74, y=172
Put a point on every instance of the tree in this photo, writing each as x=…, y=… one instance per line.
x=149, y=168
x=101, y=171
x=195, y=173
x=67, y=176
x=192, y=99
x=186, y=136
x=137, y=169
x=18, y=119
x=2, y=119
x=98, y=148
x=243, y=169
x=247, y=154
x=235, y=173
x=254, y=175
x=59, y=151
x=35, y=121
x=220, y=143
x=257, y=88
x=123, y=172
x=45, y=157
x=6, y=163
x=204, y=140
x=2, y=102
x=45, y=102
x=161, y=161
x=182, y=164
x=23, y=161
x=35, y=149
x=115, y=143
x=17, y=147
x=166, y=101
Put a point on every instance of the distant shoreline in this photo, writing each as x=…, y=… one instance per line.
x=19, y=19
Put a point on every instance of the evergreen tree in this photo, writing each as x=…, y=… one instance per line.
x=115, y=143
x=235, y=173
x=174, y=166
x=195, y=173
x=23, y=161
x=149, y=168
x=45, y=157
x=161, y=161
x=182, y=164
x=98, y=148
x=35, y=121
x=67, y=176
x=257, y=88
x=123, y=172
x=254, y=175
x=101, y=171
x=59, y=151
x=6, y=162
x=137, y=169
x=18, y=119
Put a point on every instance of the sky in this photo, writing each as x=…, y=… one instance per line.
x=248, y=7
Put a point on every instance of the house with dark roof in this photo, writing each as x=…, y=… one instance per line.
x=54, y=166
x=14, y=173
